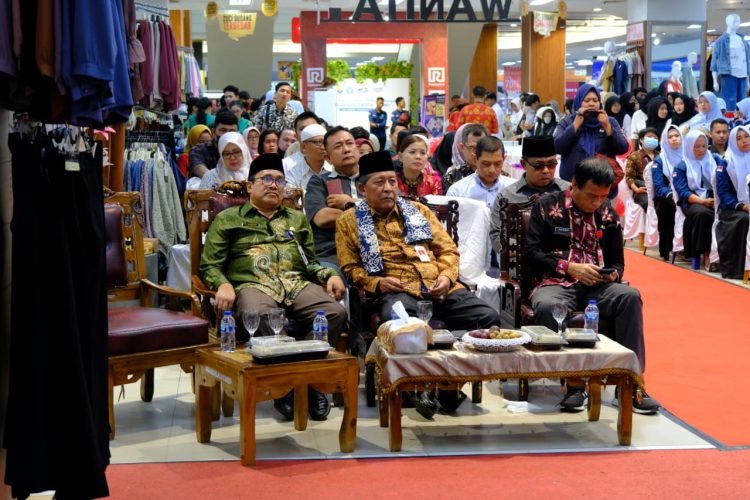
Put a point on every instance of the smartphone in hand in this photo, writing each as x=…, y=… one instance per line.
x=607, y=270
x=334, y=186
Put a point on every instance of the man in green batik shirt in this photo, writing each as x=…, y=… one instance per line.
x=261, y=256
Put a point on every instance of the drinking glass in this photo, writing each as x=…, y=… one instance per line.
x=559, y=312
x=276, y=321
x=424, y=310
x=251, y=320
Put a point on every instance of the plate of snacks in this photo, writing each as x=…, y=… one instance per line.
x=496, y=339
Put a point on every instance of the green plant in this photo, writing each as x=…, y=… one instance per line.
x=338, y=70
x=296, y=68
x=368, y=70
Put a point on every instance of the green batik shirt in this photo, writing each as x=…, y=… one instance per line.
x=246, y=249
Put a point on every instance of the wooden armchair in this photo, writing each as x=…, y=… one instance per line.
x=447, y=214
x=516, y=309
x=145, y=336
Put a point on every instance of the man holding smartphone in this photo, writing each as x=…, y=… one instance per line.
x=574, y=250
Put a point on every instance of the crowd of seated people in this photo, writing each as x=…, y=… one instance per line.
x=364, y=226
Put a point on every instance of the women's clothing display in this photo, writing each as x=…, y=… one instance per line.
x=159, y=75
x=689, y=84
x=622, y=73
x=191, y=80
x=57, y=432
x=60, y=72
x=150, y=170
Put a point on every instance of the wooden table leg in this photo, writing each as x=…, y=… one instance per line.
x=383, y=403
x=395, y=436
x=215, y=397
x=348, y=431
x=247, y=392
x=595, y=399
x=625, y=414
x=202, y=411
x=523, y=389
x=300, y=407
x=227, y=403
x=476, y=392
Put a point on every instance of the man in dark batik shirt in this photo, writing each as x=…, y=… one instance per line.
x=571, y=237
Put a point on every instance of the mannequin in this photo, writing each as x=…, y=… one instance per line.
x=689, y=84
x=730, y=64
x=674, y=84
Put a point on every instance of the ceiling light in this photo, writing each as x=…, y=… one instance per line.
x=513, y=25
x=597, y=9
x=377, y=58
x=745, y=24
x=653, y=35
x=711, y=31
x=694, y=27
x=539, y=2
x=595, y=48
x=621, y=44
x=511, y=63
x=657, y=41
x=567, y=54
x=584, y=62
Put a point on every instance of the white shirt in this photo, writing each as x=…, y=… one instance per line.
x=637, y=123
x=737, y=56
x=473, y=187
x=298, y=173
x=500, y=119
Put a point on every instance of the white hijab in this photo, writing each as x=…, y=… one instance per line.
x=739, y=165
x=697, y=169
x=670, y=157
x=222, y=171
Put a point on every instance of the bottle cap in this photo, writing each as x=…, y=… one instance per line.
x=592, y=301
x=227, y=313
x=321, y=313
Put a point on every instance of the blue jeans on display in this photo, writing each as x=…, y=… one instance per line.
x=732, y=90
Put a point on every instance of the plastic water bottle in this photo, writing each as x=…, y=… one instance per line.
x=320, y=326
x=591, y=317
x=228, y=339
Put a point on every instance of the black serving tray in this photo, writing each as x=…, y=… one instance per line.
x=288, y=358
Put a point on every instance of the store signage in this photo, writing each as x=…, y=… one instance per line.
x=212, y=8
x=635, y=32
x=315, y=76
x=431, y=11
x=269, y=8
x=238, y=24
x=545, y=23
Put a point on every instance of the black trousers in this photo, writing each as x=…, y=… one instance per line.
x=665, y=213
x=731, y=239
x=57, y=428
x=460, y=310
x=696, y=232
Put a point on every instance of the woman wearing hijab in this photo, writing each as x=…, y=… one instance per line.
x=743, y=112
x=198, y=135
x=708, y=111
x=661, y=178
x=464, y=160
x=556, y=108
x=443, y=157
x=629, y=104
x=613, y=107
x=683, y=109
x=234, y=162
x=637, y=162
x=692, y=182
x=516, y=115
x=546, y=121
x=732, y=191
x=588, y=132
x=252, y=137
x=658, y=114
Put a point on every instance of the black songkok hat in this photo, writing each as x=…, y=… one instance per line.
x=372, y=163
x=266, y=161
x=538, y=147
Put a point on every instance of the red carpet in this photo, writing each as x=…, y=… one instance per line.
x=698, y=342
x=703, y=474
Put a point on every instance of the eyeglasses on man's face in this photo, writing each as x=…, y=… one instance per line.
x=268, y=180
x=318, y=143
x=541, y=165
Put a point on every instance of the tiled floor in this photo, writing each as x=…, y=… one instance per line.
x=163, y=430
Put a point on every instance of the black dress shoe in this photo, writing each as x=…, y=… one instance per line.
x=450, y=401
x=426, y=404
x=318, y=404
x=285, y=405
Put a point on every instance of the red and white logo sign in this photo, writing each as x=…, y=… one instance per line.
x=315, y=76
x=435, y=75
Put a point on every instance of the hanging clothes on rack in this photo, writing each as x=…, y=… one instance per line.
x=689, y=84
x=191, y=81
x=150, y=169
x=57, y=432
x=159, y=73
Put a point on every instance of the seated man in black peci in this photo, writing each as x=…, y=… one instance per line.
x=397, y=250
x=260, y=256
x=572, y=237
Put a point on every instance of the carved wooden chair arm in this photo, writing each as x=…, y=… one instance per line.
x=195, y=305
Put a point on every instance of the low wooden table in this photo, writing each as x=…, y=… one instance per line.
x=250, y=383
x=608, y=362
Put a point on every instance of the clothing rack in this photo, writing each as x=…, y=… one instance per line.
x=152, y=9
x=150, y=116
